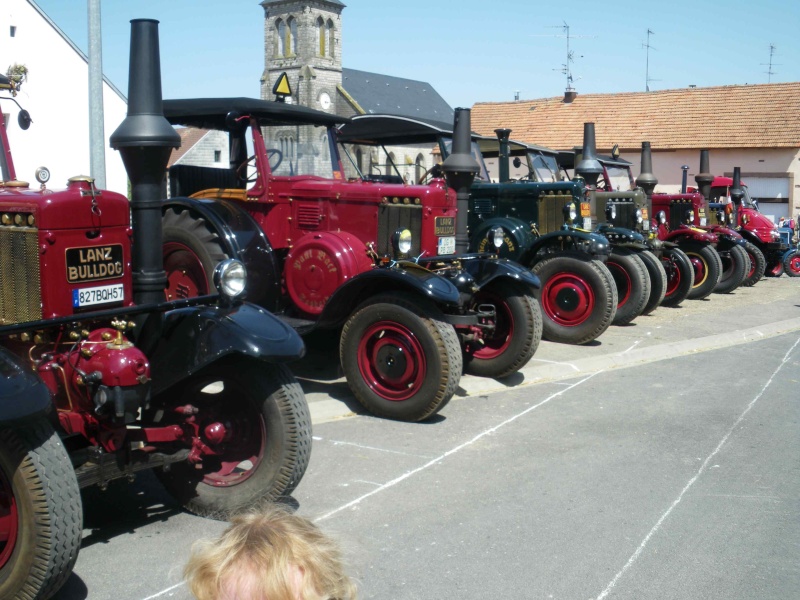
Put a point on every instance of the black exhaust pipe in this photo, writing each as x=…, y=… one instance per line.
x=589, y=167
x=704, y=178
x=737, y=193
x=503, y=170
x=647, y=180
x=460, y=169
x=145, y=140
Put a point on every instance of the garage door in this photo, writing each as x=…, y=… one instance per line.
x=768, y=188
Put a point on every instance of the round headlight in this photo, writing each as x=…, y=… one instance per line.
x=230, y=278
x=497, y=236
x=402, y=241
x=639, y=215
x=689, y=217
x=611, y=212
x=662, y=217
x=569, y=211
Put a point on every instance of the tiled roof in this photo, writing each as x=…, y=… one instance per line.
x=189, y=137
x=733, y=116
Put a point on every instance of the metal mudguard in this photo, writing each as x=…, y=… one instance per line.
x=243, y=239
x=22, y=393
x=691, y=234
x=622, y=236
x=594, y=245
x=184, y=341
x=403, y=276
x=485, y=270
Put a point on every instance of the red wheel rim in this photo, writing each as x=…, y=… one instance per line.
x=752, y=264
x=9, y=520
x=673, y=276
x=794, y=263
x=186, y=277
x=391, y=361
x=567, y=299
x=236, y=457
x=498, y=342
x=623, y=281
x=700, y=269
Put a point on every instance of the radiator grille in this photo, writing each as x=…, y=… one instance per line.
x=482, y=207
x=392, y=217
x=677, y=210
x=551, y=212
x=626, y=214
x=20, y=292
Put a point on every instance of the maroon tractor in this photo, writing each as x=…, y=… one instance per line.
x=381, y=263
x=103, y=378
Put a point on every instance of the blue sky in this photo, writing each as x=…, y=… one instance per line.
x=469, y=50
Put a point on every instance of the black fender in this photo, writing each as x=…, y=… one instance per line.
x=517, y=237
x=486, y=270
x=593, y=245
x=405, y=276
x=622, y=236
x=22, y=393
x=728, y=241
x=187, y=340
x=243, y=239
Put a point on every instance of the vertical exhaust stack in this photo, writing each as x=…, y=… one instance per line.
x=589, y=167
x=684, y=179
x=704, y=178
x=737, y=193
x=144, y=140
x=503, y=170
x=647, y=180
x=460, y=169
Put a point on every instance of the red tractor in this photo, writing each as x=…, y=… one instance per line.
x=378, y=261
x=103, y=377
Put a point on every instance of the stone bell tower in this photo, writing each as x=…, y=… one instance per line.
x=303, y=39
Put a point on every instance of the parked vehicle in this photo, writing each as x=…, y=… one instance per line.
x=102, y=377
x=375, y=258
x=522, y=221
x=741, y=211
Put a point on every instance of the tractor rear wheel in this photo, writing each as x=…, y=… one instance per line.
x=255, y=426
x=707, y=268
x=578, y=298
x=791, y=263
x=41, y=520
x=401, y=359
x=516, y=335
x=680, y=276
x=758, y=264
x=658, y=281
x=735, y=264
x=633, y=284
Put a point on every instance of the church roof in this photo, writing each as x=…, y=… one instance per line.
x=376, y=93
x=732, y=116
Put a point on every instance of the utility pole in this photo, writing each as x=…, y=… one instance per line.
x=647, y=79
x=97, y=152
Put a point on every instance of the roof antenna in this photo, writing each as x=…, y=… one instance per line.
x=565, y=67
x=769, y=71
x=647, y=45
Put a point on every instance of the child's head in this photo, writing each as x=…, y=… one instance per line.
x=268, y=555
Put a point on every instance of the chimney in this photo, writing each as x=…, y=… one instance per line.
x=570, y=95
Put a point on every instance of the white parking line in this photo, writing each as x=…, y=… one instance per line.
x=458, y=448
x=341, y=443
x=677, y=501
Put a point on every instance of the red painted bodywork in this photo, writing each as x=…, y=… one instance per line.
x=662, y=202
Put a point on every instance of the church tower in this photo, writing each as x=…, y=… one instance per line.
x=303, y=39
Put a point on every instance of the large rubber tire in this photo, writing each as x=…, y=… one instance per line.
x=658, y=281
x=41, y=520
x=758, y=265
x=791, y=264
x=680, y=276
x=267, y=442
x=401, y=360
x=578, y=298
x=735, y=265
x=517, y=333
x=707, y=268
x=633, y=284
x=192, y=250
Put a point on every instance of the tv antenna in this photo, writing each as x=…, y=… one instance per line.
x=769, y=71
x=647, y=45
x=565, y=68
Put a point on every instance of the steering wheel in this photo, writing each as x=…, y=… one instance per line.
x=241, y=170
x=434, y=172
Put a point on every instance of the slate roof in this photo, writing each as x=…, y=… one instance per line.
x=376, y=93
x=733, y=116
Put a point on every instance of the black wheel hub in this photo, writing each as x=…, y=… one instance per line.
x=568, y=300
x=392, y=362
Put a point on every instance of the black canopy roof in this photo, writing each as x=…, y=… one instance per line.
x=566, y=160
x=392, y=129
x=209, y=113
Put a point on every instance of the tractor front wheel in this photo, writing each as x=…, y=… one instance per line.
x=633, y=284
x=658, y=281
x=735, y=265
x=401, y=359
x=578, y=298
x=707, y=268
x=516, y=334
x=791, y=263
x=758, y=264
x=680, y=276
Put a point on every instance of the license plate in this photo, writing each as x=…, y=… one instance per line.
x=645, y=225
x=97, y=295
x=446, y=245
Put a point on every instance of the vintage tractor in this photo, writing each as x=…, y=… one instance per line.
x=519, y=220
x=102, y=377
x=616, y=207
x=374, y=259
x=768, y=253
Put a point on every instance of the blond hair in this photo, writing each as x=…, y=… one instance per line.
x=268, y=555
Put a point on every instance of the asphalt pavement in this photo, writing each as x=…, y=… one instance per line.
x=660, y=462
